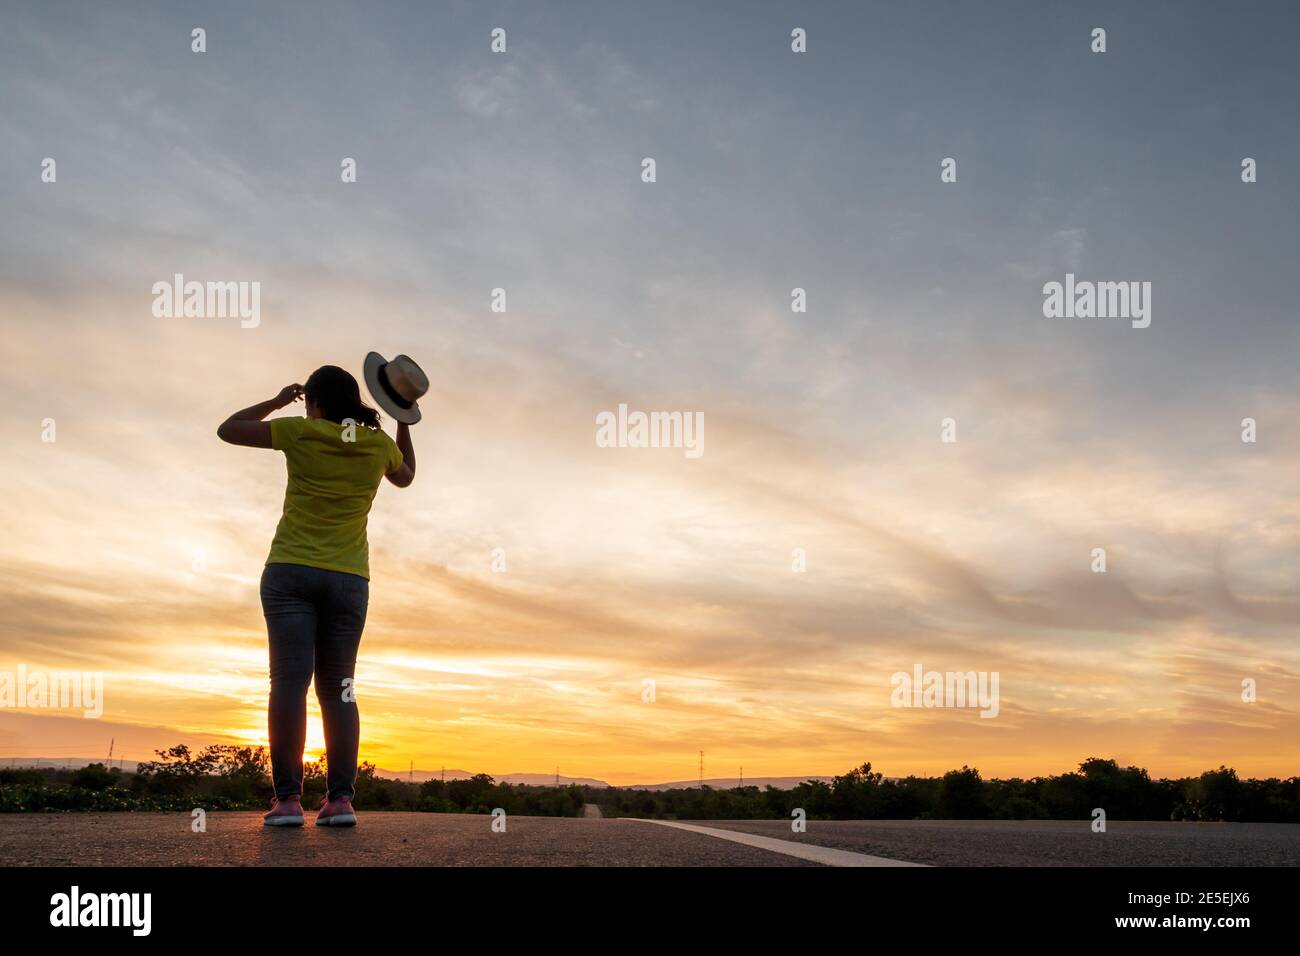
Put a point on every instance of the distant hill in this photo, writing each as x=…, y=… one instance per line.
x=453, y=773
x=548, y=780
x=420, y=776
x=727, y=783
x=528, y=779
x=70, y=763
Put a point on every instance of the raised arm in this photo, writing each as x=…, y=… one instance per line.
x=246, y=427
x=404, y=473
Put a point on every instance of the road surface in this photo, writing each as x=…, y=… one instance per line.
x=1048, y=842
x=434, y=839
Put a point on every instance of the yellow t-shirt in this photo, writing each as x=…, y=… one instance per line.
x=332, y=483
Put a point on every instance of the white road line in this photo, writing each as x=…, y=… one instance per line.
x=826, y=855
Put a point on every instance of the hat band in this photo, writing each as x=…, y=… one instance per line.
x=390, y=391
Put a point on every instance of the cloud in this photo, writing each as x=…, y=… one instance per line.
x=521, y=172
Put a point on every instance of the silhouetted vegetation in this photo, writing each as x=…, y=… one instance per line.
x=238, y=778
x=1125, y=793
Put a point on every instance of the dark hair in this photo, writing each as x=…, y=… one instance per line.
x=336, y=393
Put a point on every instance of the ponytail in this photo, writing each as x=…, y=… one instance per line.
x=365, y=415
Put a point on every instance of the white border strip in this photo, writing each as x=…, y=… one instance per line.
x=825, y=855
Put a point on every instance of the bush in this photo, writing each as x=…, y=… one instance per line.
x=94, y=776
x=961, y=796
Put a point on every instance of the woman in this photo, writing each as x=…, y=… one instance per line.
x=316, y=584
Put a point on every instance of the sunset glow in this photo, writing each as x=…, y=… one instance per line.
x=135, y=540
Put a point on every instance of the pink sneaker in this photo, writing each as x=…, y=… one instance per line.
x=336, y=813
x=285, y=813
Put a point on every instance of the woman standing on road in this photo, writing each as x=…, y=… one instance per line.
x=316, y=584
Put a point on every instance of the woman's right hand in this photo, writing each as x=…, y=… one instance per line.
x=288, y=395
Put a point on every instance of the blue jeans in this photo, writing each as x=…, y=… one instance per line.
x=314, y=620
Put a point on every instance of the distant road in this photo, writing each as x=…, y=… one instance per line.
x=436, y=839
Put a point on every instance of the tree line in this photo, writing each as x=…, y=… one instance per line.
x=238, y=778
x=1124, y=793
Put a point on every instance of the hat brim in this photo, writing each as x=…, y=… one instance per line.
x=407, y=416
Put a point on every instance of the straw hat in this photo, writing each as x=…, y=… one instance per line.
x=396, y=385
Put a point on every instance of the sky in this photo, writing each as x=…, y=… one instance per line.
x=134, y=540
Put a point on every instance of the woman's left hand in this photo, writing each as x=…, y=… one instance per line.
x=288, y=395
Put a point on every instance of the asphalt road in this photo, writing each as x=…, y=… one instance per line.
x=427, y=839
x=1048, y=842
x=380, y=839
